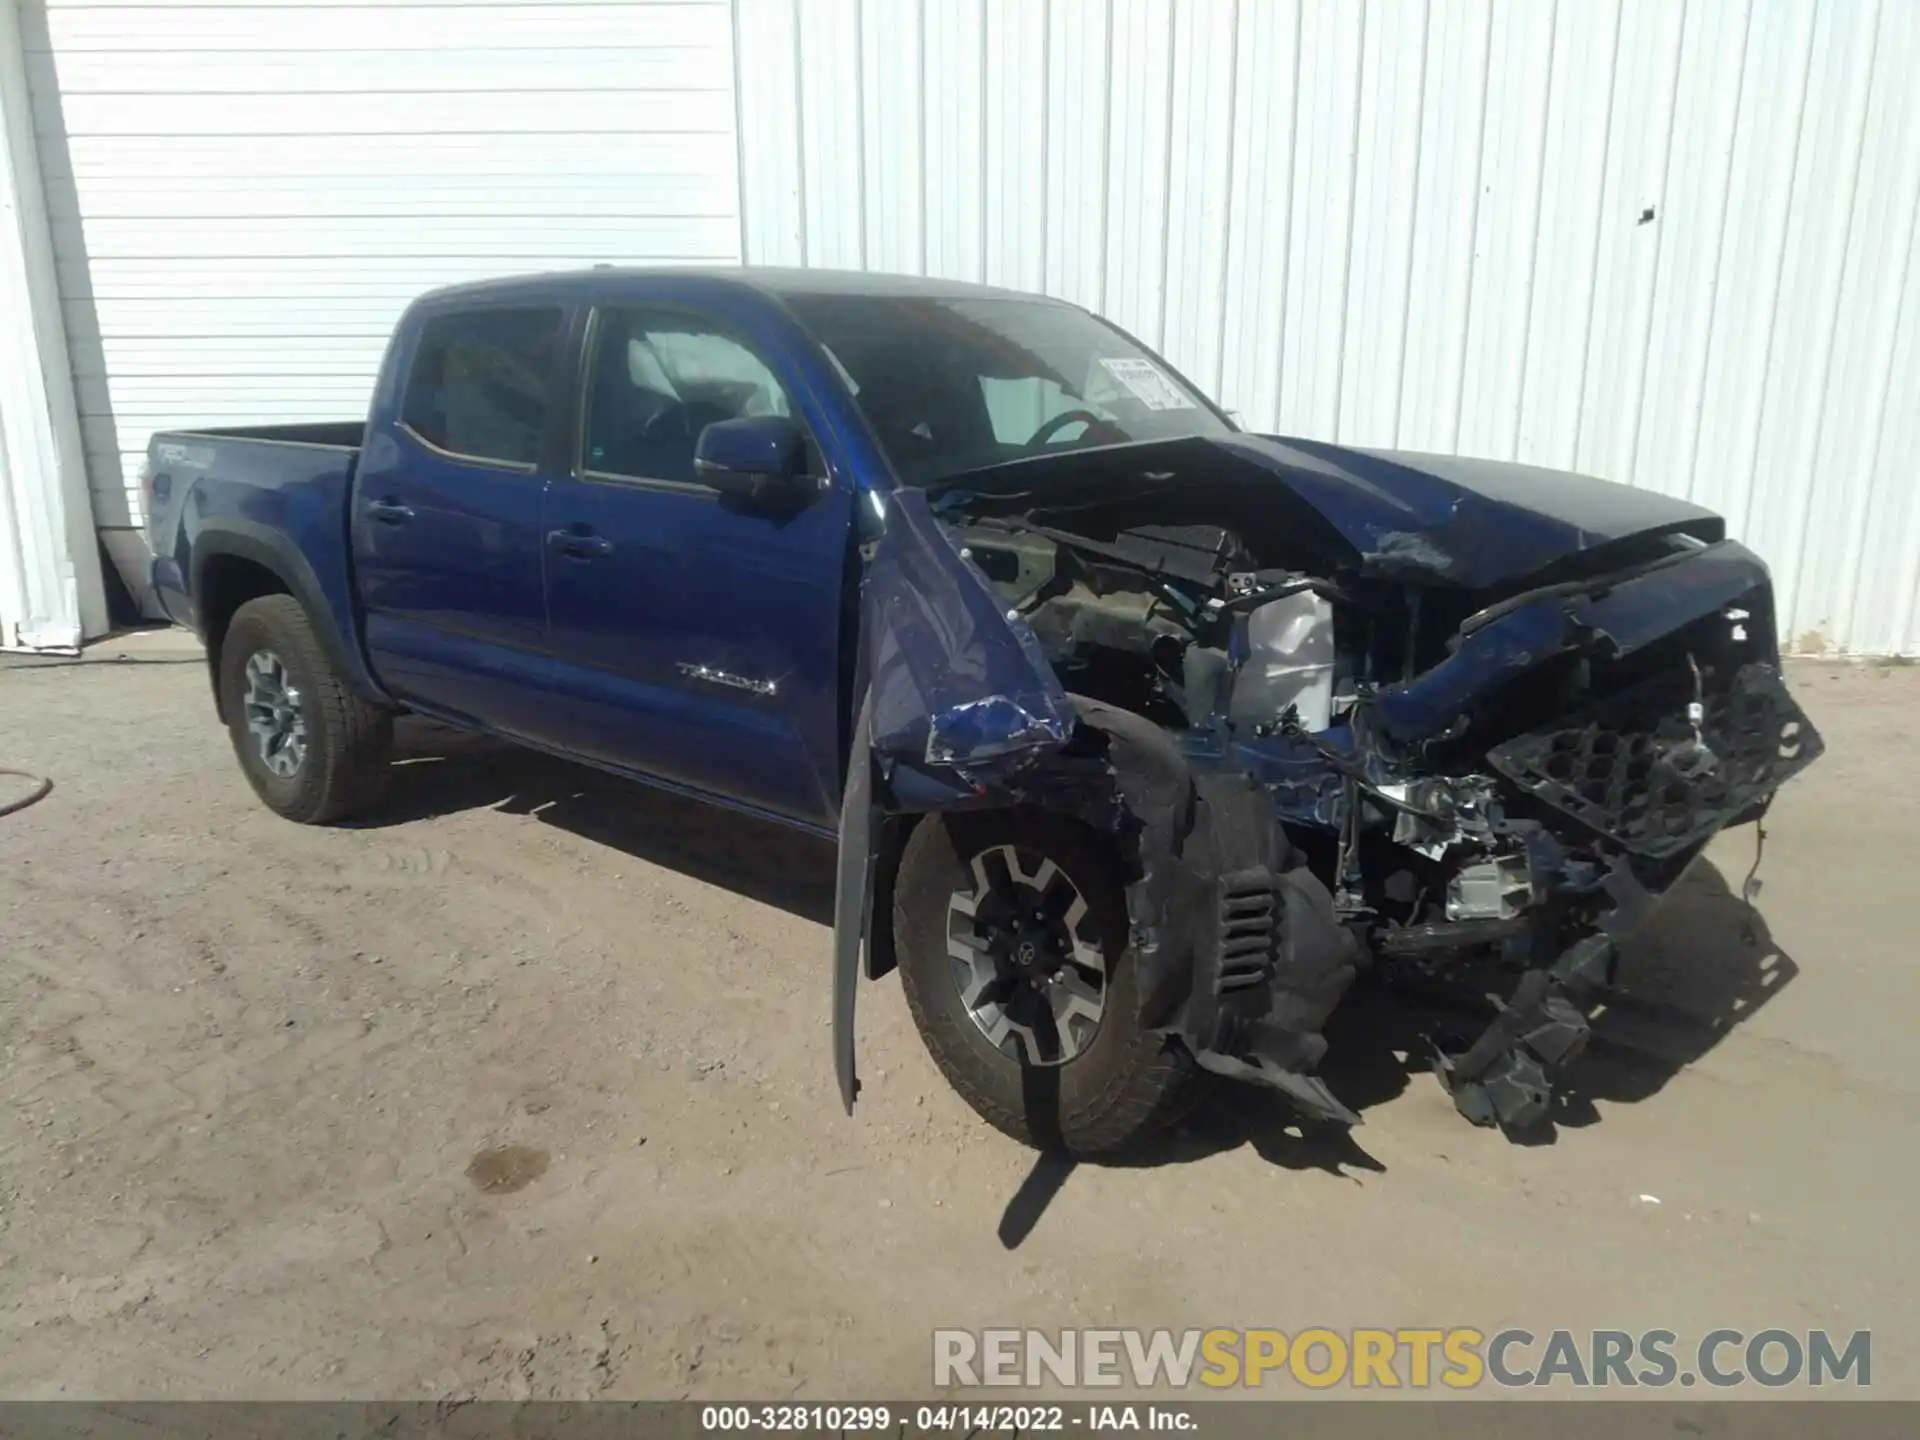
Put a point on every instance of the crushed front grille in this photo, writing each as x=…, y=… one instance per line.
x=1636, y=771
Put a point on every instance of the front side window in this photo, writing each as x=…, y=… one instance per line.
x=955, y=384
x=658, y=380
x=481, y=383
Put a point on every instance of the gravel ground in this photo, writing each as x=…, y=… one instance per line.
x=523, y=1089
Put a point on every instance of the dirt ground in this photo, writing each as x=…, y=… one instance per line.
x=523, y=1089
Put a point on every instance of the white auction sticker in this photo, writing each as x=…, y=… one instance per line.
x=1148, y=383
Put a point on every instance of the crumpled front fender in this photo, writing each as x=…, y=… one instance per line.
x=956, y=701
x=852, y=898
x=958, y=685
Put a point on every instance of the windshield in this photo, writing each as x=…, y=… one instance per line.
x=951, y=385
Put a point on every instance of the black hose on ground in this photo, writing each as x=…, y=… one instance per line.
x=41, y=789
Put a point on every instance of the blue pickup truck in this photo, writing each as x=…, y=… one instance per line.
x=1139, y=736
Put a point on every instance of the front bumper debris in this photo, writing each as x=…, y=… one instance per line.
x=1504, y=1078
x=1660, y=786
x=1640, y=783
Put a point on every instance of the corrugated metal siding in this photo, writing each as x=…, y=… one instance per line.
x=51, y=597
x=244, y=195
x=1671, y=242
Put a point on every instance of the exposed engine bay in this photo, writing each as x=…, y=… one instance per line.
x=1436, y=717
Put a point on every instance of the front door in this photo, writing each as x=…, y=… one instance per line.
x=694, y=638
x=447, y=509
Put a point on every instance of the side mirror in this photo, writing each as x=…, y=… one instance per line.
x=761, y=459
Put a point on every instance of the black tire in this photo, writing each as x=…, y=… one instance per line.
x=347, y=744
x=1125, y=1085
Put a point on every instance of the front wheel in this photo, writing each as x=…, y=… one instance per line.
x=1011, y=933
x=312, y=749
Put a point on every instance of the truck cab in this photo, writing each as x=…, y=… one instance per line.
x=539, y=554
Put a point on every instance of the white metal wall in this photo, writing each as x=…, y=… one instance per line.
x=51, y=597
x=244, y=195
x=1665, y=241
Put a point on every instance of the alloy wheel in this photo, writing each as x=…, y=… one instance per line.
x=1026, y=957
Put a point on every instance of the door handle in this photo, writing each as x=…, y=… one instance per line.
x=392, y=512
x=582, y=545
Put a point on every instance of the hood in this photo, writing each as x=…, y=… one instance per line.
x=1477, y=522
x=1437, y=519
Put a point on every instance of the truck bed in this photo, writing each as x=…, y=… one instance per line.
x=274, y=494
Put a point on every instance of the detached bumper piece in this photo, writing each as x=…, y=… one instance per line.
x=1658, y=772
x=1647, y=776
x=1505, y=1077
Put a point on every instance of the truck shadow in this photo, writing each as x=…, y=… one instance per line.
x=441, y=771
x=1704, y=964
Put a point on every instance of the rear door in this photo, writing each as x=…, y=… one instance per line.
x=447, y=509
x=695, y=638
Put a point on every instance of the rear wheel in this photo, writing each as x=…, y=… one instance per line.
x=312, y=749
x=1011, y=933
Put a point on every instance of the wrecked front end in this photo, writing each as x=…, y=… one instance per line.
x=1331, y=710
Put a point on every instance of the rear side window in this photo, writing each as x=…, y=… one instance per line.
x=482, y=383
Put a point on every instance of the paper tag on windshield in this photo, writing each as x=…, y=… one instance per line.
x=1148, y=384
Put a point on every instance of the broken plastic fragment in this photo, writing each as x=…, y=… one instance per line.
x=1309, y=1093
x=989, y=727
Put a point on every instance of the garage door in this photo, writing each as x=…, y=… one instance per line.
x=244, y=196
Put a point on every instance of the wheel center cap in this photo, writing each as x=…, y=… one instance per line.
x=1025, y=953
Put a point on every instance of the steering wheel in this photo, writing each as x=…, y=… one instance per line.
x=1050, y=428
